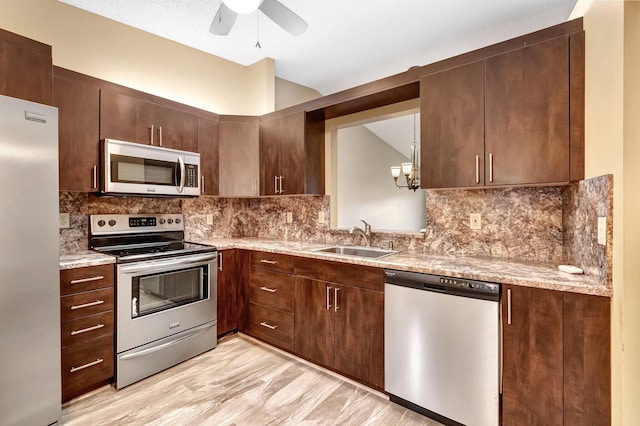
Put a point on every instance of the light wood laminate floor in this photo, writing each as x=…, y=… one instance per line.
x=241, y=382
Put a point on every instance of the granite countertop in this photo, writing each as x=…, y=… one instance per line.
x=83, y=258
x=529, y=274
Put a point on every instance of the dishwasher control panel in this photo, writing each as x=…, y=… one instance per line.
x=474, y=285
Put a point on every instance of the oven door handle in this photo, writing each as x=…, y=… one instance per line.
x=147, y=351
x=164, y=264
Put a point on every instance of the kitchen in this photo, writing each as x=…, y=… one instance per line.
x=600, y=158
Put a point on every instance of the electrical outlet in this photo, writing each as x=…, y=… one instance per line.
x=475, y=221
x=321, y=218
x=289, y=217
x=65, y=221
x=209, y=219
x=602, y=231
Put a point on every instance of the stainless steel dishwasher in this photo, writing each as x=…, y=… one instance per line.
x=442, y=347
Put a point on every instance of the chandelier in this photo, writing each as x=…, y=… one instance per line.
x=411, y=171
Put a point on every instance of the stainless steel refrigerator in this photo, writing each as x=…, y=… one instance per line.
x=30, y=389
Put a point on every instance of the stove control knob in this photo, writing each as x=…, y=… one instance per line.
x=101, y=222
x=112, y=222
x=178, y=221
x=162, y=221
x=169, y=221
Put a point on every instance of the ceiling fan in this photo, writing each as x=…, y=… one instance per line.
x=226, y=15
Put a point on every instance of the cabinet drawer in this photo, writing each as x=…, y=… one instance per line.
x=273, y=289
x=86, y=364
x=87, y=328
x=272, y=326
x=83, y=279
x=87, y=303
x=338, y=272
x=272, y=261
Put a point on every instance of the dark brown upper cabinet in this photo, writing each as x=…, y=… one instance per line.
x=127, y=118
x=25, y=68
x=239, y=164
x=208, y=146
x=510, y=119
x=77, y=98
x=291, y=154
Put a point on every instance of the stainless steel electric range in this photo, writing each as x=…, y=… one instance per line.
x=165, y=292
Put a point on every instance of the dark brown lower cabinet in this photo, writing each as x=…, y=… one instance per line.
x=230, y=281
x=340, y=326
x=556, y=358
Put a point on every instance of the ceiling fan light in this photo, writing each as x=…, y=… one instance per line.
x=243, y=6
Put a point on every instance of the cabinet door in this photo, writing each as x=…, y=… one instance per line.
x=270, y=157
x=78, y=132
x=527, y=115
x=25, y=68
x=452, y=127
x=229, y=282
x=175, y=129
x=292, y=153
x=587, y=360
x=126, y=118
x=359, y=328
x=314, y=325
x=239, y=158
x=532, y=381
x=208, y=147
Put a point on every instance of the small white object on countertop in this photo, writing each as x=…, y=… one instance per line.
x=571, y=269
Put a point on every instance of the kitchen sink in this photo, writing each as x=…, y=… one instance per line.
x=358, y=251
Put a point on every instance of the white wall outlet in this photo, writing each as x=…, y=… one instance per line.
x=289, y=217
x=209, y=219
x=65, y=221
x=321, y=218
x=602, y=231
x=475, y=221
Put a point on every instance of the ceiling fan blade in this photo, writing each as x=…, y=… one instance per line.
x=223, y=21
x=283, y=16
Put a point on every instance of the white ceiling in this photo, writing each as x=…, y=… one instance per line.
x=348, y=42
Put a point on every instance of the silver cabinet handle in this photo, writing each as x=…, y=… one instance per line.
x=86, y=330
x=160, y=135
x=182, y=174
x=82, y=367
x=275, y=185
x=477, y=169
x=202, y=184
x=490, y=167
x=255, y=187
x=328, y=298
x=220, y=265
x=270, y=262
x=87, y=305
x=272, y=327
x=95, y=177
x=152, y=132
x=335, y=300
x=281, y=186
x=509, y=306
x=270, y=290
x=86, y=280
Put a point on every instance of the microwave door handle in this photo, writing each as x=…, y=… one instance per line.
x=182, y=174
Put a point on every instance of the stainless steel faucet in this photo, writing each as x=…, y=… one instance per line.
x=366, y=234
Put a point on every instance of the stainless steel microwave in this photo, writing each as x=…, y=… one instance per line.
x=133, y=168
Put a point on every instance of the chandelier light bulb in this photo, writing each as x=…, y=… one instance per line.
x=243, y=6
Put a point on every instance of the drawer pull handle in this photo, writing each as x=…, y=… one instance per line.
x=270, y=262
x=270, y=290
x=91, y=364
x=86, y=330
x=272, y=327
x=87, y=305
x=86, y=280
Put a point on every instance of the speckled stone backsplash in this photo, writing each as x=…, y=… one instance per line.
x=80, y=205
x=583, y=203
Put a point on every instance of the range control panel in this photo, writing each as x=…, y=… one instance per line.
x=104, y=224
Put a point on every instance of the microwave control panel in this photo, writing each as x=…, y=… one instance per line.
x=191, y=181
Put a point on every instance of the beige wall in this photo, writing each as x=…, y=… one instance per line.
x=613, y=146
x=289, y=93
x=96, y=46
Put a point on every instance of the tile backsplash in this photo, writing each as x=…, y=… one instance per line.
x=545, y=224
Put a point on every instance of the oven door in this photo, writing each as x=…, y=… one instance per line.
x=159, y=298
